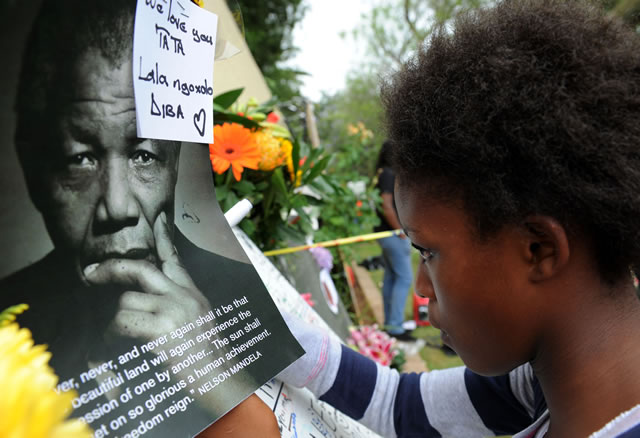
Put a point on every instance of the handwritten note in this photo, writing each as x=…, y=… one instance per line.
x=173, y=49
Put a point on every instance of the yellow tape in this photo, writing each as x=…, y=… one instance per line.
x=336, y=242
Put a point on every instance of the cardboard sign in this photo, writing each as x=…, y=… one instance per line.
x=173, y=49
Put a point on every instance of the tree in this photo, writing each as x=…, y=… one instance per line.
x=339, y=114
x=268, y=27
x=396, y=28
x=392, y=31
x=628, y=10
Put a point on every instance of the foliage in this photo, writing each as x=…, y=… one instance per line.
x=284, y=173
x=358, y=102
x=352, y=209
x=268, y=26
x=30, y=406
x=628, y=10
x=391, y=31
x=433, y=353
x=396, y=28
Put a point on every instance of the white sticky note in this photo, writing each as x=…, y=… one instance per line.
x=173, y=49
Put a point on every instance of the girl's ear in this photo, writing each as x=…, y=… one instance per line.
x=546, y=247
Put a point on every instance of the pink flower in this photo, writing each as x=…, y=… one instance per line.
x=373, y=343
x=307, y=298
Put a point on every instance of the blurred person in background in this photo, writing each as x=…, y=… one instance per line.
x=396, y=252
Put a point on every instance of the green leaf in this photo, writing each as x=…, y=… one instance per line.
x=277, y=179
x=244, y=187
x=217, y=108
x=256, y=198
x=287, y=233
x=304, y=216
x=312, y=200
x=298, y=201
x=311, y=157
x=220, y=118
x=317, y=169
x=337, y=220
x=225, y=100
x=267, y=106
x=230, y=200
x=322, y=186
x=248, y=226
x=268, y=200
x=221, y=193
x=218, y=179
x=295, y=156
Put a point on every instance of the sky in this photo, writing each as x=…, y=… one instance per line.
x=323, y=54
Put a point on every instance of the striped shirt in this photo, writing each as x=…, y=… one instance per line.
x=455, y=402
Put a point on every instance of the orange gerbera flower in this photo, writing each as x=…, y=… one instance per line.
x=235, y=146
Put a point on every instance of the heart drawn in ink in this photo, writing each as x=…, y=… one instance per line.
x=196, y=121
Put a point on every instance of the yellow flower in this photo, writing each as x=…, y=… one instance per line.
x=359, y=128
x=287, y=149
x=198, y=2
x=235, y=146
x=271, y=154
x=365, y=134
x=352, y=130
x=7, y=316
x=29, y=406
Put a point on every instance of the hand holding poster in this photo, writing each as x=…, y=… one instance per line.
x=151, y=310
x=299, y=413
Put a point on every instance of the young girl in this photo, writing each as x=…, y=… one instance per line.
x=516, y=143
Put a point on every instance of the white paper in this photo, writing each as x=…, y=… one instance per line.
x=173, y=50
x=301, y=415
x=298, y=412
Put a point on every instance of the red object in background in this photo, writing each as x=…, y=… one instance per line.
x=420, y=310
x=272, y=117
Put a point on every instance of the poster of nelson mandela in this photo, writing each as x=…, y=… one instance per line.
x=152, y=312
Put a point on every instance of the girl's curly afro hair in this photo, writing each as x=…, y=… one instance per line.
x=530, y=107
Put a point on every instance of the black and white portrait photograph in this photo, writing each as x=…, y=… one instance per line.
x=133, y=278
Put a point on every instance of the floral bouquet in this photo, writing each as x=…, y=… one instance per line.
x=255, y=158
x=30, y=407
x=375, y=344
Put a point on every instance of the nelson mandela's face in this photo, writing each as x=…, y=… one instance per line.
x=103, y=187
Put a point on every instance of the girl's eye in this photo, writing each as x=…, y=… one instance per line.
x=426, y=254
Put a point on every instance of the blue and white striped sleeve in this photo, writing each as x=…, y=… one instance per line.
x=453, y=402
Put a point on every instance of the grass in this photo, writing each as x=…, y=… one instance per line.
x=434, y=357
x=432, y=353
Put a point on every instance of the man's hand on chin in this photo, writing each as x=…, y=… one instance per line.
x=251, y=418
x=156, y=300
